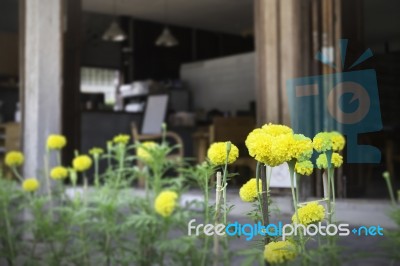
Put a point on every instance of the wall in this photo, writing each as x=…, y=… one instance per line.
x=230, y=80
x=8, y=38
x=9, y=93
x=95, y=51
x=9, y=15
x=151, y=61
x=145, y=60
x=8, y=54
x=381, y=25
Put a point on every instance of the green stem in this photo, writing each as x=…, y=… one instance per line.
x=96, y=170
x=218, y=198
x=85, y=189
x=331, y=240
x=224, y=183
x=206, y=199
x=319, y=245
x=297, y=187
x=107, y=249
x=15, y=171
x=163, y=134
x=61, y=191
x=85, y=255
x=389, y=186
x=121, y=159
x=269, y=173
x=122, y=156
x=59, y=157
x=157, y=179
x=217, y=213
x=9, y=238
x=164, y=237
x=206, y=219
x=264, y=200
x=328, y=195
x=291, y=165
x=109, y=166
x=333, y=192
x=224, y=186
x=260, y=203
x=48, y=181
x=146, y=184
x=294, y=197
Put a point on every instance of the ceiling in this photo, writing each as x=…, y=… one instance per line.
x=230, y=16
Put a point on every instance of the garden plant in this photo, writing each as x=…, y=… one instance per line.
x=78, y=215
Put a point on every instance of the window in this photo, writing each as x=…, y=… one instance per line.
x=100, y=80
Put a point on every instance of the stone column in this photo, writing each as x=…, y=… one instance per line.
x=42, y=78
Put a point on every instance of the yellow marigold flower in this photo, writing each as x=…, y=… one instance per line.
x=281, y=150
x=95, y=151
x=143, y=150
x=259, y=145
x=270, y=149
x=82, y=163
x=302, y=148
x=337, y=160
x=30, y=184
x=279, y=252
x=322, y=162
x=338, y=141
x=276, y=130
x=304, y=167
x=217, y=153
x=56, y=142
x=14, y=158
x=310, y=213
x=121, y=138
x=165, y=203
x=59, y=172
x=248, y=192
x=322, y=142
x=275, y=144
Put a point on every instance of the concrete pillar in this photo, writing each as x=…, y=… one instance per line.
x=282, y=34
x=42, y=78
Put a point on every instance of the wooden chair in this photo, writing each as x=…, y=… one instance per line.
x=154, y=137
x=234, y=129
x=151, y=130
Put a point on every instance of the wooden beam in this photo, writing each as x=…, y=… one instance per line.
x=71, y=110
x=280, y=31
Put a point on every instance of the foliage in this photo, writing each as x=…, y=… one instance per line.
x=110, y=223
x=106, y=224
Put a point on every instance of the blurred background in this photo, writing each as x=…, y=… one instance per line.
x=87, y=68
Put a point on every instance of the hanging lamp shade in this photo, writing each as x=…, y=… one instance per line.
x=114, y=33
x=166, y=39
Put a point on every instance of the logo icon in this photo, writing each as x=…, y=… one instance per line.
x=347, y=102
